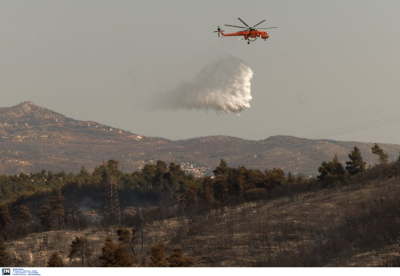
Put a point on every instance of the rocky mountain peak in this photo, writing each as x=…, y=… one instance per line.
x=25, y=107
x=29, y=113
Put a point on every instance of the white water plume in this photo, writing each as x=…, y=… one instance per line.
x=223, y=86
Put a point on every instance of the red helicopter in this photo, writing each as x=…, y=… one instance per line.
x=250, y=33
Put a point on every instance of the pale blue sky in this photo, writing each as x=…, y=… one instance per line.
x=102, y=60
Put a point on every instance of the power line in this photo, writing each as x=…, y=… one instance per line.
x=354, y=127
x=321, y=135
x=330, y=120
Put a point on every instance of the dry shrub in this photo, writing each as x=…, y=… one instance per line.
x=315, y=255
x=376, y=224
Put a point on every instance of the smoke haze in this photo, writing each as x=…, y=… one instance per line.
x=223, y=86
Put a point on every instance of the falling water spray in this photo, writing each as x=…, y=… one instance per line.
x=223, y=86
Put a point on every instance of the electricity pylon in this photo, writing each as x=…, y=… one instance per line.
x=111, y=205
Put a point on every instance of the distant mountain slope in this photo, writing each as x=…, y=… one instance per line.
x=31, y=114
x=33, y=138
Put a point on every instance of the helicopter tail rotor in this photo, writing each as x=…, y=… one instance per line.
x=219, y=31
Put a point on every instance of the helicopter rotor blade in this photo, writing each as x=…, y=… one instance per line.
x=243, y=22
x=268, y=28
x=234, y=26
x=258, y=23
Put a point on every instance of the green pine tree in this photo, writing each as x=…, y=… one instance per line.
x=382, y=157
x=331, y=171
x=356, y=164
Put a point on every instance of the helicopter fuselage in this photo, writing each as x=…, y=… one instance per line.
x=249, y=34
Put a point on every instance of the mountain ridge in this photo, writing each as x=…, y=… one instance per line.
x=33, y=138
x=29, y=112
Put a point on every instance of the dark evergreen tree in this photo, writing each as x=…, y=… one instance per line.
x=220, y=188
x=290, y=178
x=338, y=167
x=331, y=171
x=221, y=170
x=57, y=208
x=74, y=216
x=236, y=182
x=24, y=220
x=275, y=177
x=50, y=175
x=24, y=214
x=6, y=221
x=149, y=172
x=174, y=176
x=188, y=200
x=83, y=176
x=55, y=260
x=356, y=164
x=382, y=157
x=45, y=217
x=113, y=166
x=207, y=191
x=80, y=248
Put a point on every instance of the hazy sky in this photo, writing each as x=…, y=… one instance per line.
x=329, y=66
